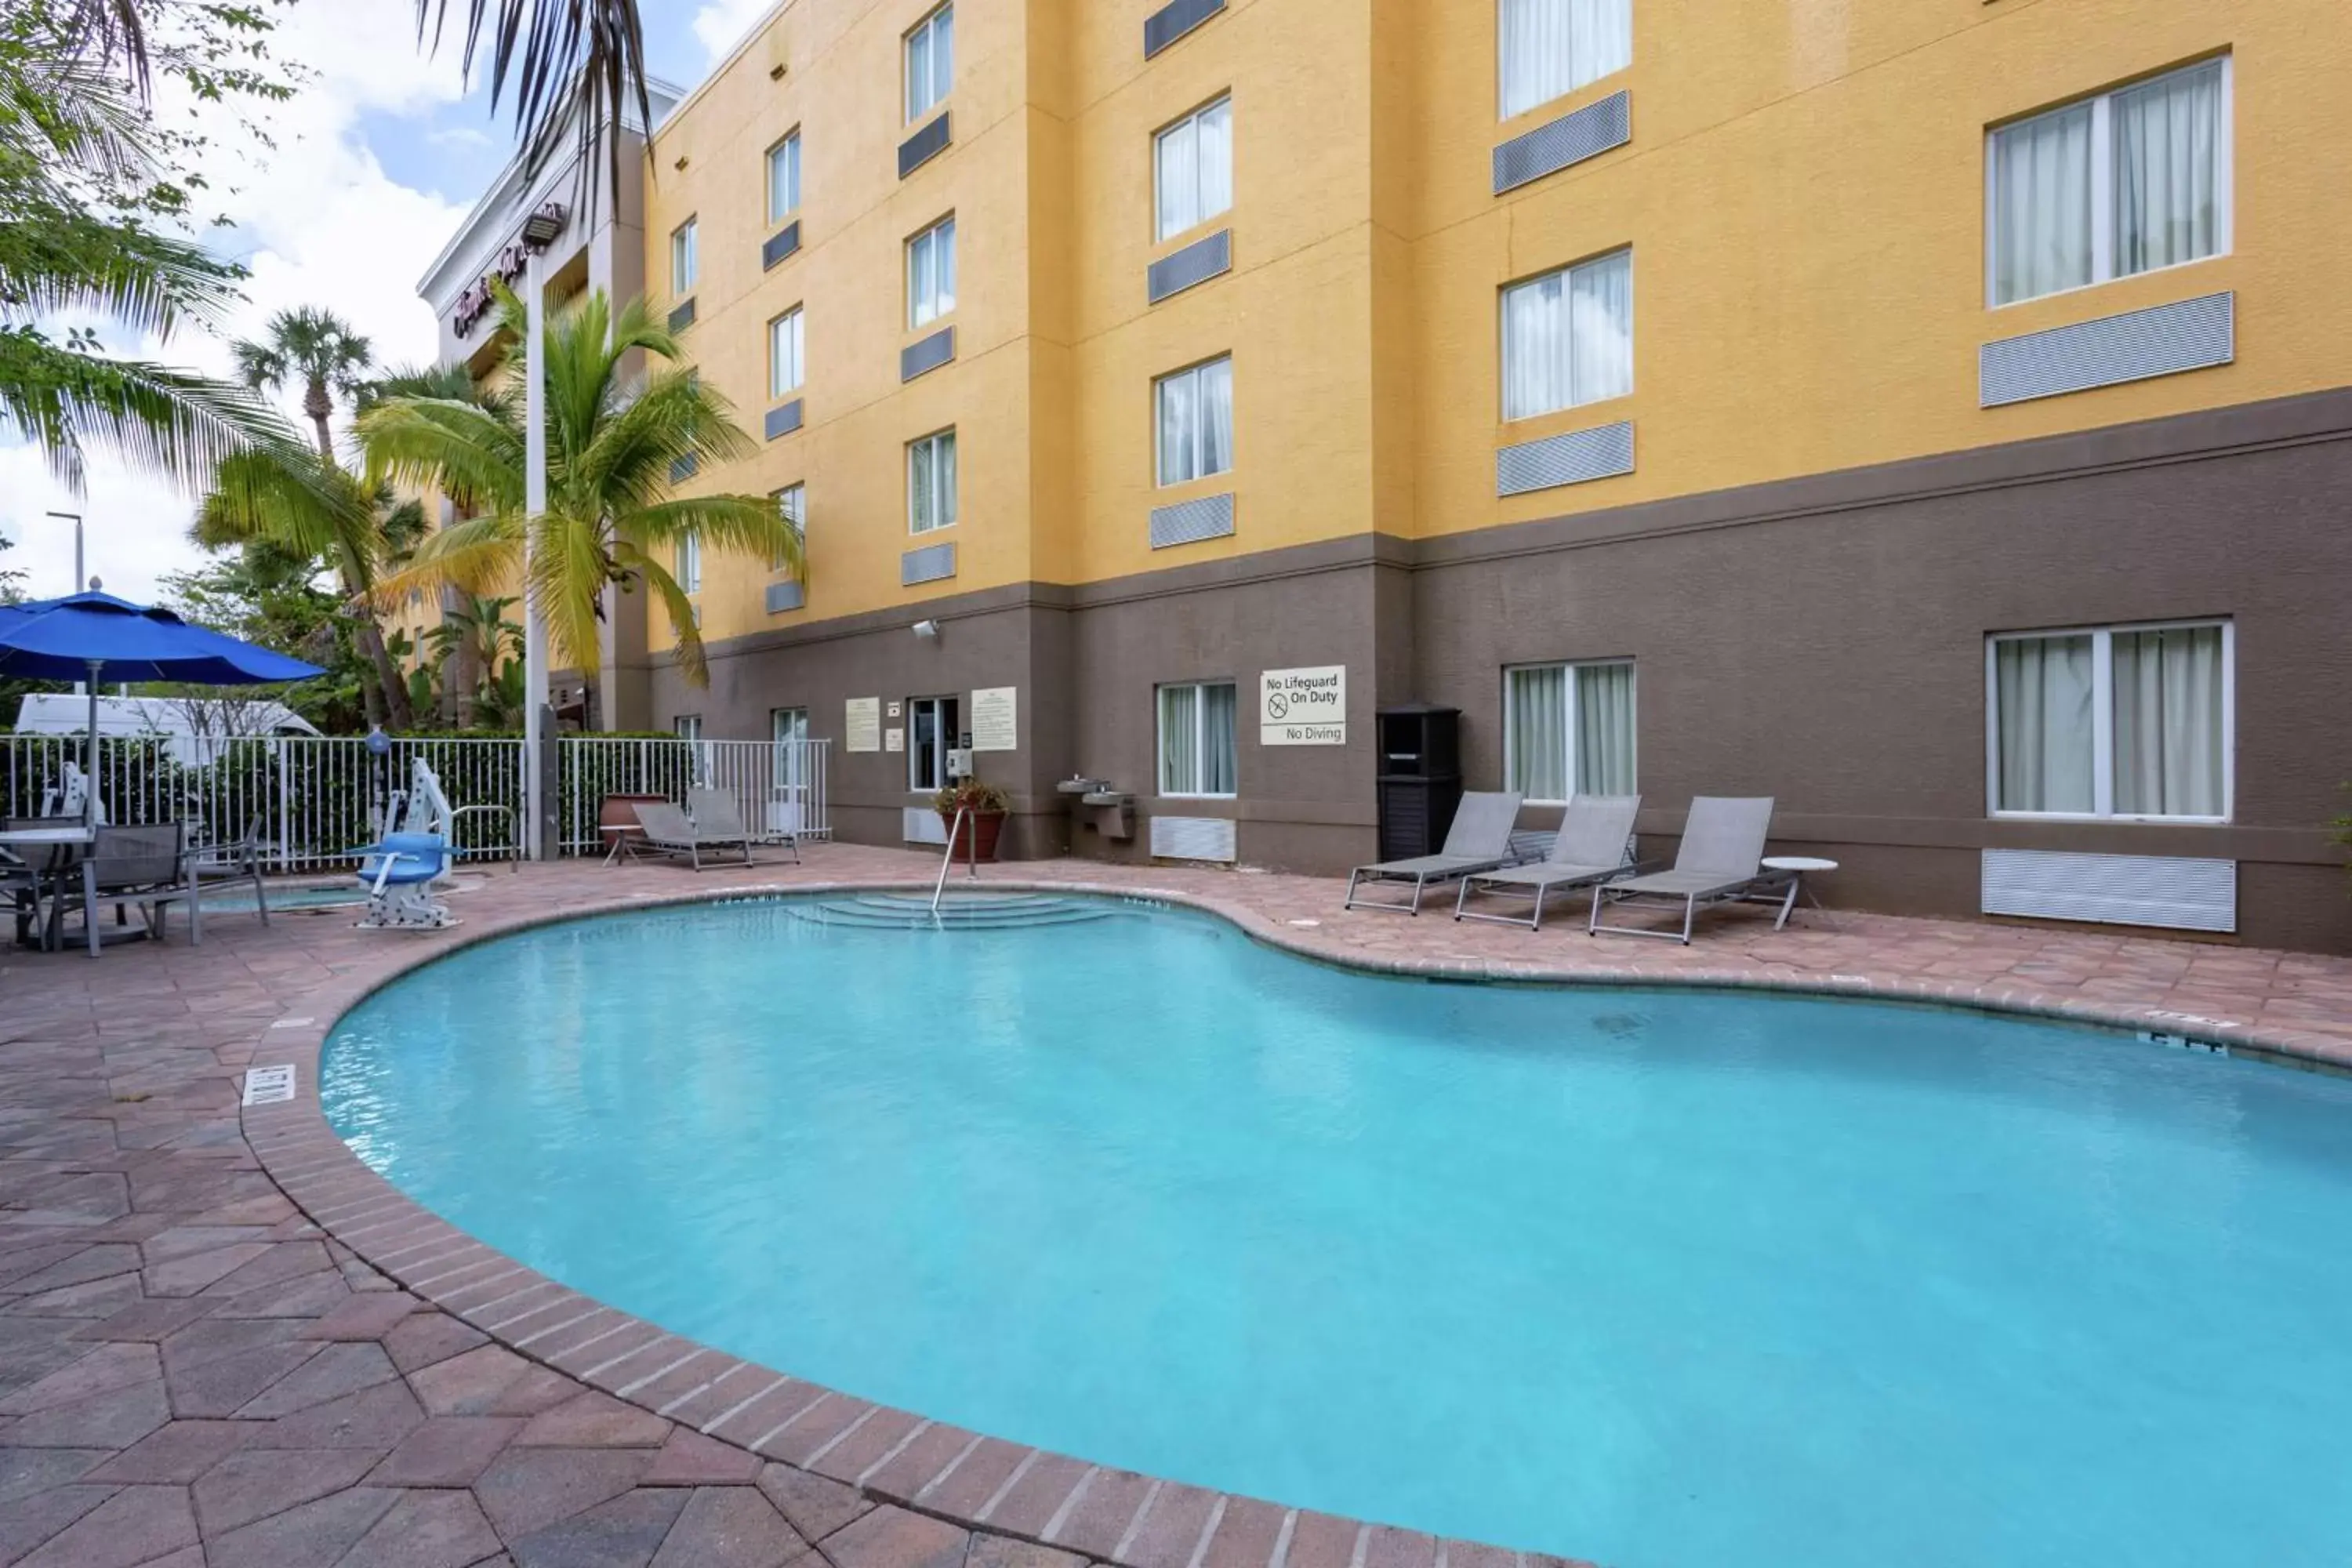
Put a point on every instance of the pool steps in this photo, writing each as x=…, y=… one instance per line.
x=956, y=911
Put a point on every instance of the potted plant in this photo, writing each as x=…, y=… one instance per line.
x=984, y=805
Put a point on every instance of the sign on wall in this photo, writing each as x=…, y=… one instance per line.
x=994, y=712
x=1303, y=707
x=861, y=726
x=894, y=739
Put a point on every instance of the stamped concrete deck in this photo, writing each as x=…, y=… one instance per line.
x=223, y=1341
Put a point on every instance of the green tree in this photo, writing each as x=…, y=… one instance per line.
x=315, y=350
x=271, y=596
x=87, y=191
x=318, y=353
x=614, y=440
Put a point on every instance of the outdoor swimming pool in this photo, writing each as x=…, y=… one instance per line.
x=1664, y=1279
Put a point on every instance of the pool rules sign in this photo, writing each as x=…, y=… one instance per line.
x=1303, y=707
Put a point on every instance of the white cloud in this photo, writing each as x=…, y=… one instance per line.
x=319, y=222
x=719, y=24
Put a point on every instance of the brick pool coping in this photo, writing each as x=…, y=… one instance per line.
x=968, y=1479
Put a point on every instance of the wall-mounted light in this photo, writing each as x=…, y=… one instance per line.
x=926, y=629
x=682, y=161
x=539, y=229
x=776, y=72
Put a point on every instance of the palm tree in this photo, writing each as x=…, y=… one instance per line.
x=613, y=442
x=314, y=349
x=316, y=510
x=319, y=353
x=80, y=177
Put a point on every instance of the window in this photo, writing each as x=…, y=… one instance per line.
x=689, y=562
x=785, y=355
x=1196, y=421
x=2126, y=182
x=1196, y=738
x=784, y=178
x=792, y=501
x=930, y=731
x=2122, y=721
x=1547, y=47
x=1193, y=165
x=1568, y=729
x=689, y=726
x=931, y=482
x=1568, y=337
x=684, y=257
x=931, y=273
x=931, y=62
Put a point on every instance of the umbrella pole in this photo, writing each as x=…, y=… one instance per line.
x=90, y=752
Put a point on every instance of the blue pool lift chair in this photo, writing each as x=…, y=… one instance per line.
x=398, y=873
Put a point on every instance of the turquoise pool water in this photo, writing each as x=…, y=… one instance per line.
x=1664, y=1279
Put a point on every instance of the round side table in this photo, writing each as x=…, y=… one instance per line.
x=1799, y=868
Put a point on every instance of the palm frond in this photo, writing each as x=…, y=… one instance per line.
x=155, y=418
x=569, y=571
x=472, y=455
x=542, y=48
x=291, y=501
x=476, y=554
x=743, y=525
x=693, y=663
x=55, y=259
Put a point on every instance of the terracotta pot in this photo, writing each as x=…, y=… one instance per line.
x=984, y=828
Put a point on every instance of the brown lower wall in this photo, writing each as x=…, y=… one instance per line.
x=1820, y=641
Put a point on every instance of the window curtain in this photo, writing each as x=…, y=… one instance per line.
x=2169, y=752
x=1179, y=181
x=1216, y=393
x=943, y=478
x=2042, y=205
x=1176, y=429
x=1215, y=156
x=2167, y=167
x=922, y=487
x=1217, y=771
x=785, y=355
x=1568, y=338
x=1180, y=737
x=2041, y=693
x=783, y=178
x=1535, y=713
x=689, y=562
x=1604, y=728
x=1554, y=47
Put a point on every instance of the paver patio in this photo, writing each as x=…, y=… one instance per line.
x=196, y=1370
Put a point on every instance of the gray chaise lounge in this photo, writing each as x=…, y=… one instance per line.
x=1720, y=861
x=1479, y=840
x=668, y=831
x=1590, y=847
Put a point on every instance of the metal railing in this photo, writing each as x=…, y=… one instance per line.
x=312, y=800
x=778, y=785
x=947, y=862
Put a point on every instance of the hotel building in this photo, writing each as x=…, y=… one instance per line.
x=1933, y=415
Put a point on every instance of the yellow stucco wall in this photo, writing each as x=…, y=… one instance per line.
x=1804, y=196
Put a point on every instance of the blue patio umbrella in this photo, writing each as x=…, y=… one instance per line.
x=83, y=637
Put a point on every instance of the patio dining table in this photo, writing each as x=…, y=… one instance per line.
x=16, y=841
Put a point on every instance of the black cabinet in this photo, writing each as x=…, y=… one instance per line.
x=1419, y=777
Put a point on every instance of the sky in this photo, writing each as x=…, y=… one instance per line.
x=377, y=159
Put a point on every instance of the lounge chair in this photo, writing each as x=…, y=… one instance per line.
x=1590, y=847
x=1479, y=840
x=233, y=861
x=147, y=867
x=668, y=831
x=1720, y=861
x=718, y=819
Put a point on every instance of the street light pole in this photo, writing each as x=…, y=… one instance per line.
x=534, y=624
x=79, y=581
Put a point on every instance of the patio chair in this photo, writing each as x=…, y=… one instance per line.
x=1720, y=861
x=236, y=860
x=718, y=819
x=147, y=867
x=1479, y=840
x=1590, y=846
x=668, y=831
